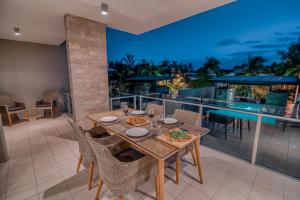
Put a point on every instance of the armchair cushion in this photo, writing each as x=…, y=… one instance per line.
x=16, y=108
x=42, y=104
x=129, y=155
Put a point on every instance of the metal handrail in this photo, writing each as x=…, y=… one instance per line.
x=213, y=107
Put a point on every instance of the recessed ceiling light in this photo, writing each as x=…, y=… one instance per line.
x=17, y=31
x=104, y=9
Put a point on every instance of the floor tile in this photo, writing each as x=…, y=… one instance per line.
x=192, y=194
x=238, y=185
x=226, y=194
x=22, y=192
x=174, y=189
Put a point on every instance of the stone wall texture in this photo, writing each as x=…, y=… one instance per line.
x=87, y=61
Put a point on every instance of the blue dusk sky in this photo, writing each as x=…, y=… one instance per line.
x=230, y=33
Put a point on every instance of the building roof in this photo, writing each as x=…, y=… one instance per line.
x=258, y=80
x=149, y=78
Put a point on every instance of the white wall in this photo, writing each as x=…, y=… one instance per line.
x=29, y=69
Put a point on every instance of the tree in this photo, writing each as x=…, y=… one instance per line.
x=253, y=66
x=128, y=60
x=212, y=65
x=291, y=60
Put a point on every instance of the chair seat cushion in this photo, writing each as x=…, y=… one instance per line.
x=43, y=105
x=15, y=108
x=221, y=118
x=129, y=155
x=102, y=135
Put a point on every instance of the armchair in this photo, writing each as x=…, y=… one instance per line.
x=47, y=103
x=9, y=107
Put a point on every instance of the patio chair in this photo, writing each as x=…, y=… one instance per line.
x=157, y=109
x=47, y=103
x=87, y=157
x=278, y=99
x=225, y=120
x=9, y=107
x=121, y=176
x=191, y=118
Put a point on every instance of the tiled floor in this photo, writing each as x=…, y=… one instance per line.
x=43, y=157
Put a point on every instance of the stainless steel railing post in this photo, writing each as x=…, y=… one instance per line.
x=111, y=104
x=164, y=105
x=134, y=102
x=256, y=138
x=200, y=114
x=140, y=102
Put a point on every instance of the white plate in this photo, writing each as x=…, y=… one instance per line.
x=170, y=121
x=108, y=119
x=137, y=132
x=138, y=112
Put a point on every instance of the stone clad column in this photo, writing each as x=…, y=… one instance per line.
x=86, y=47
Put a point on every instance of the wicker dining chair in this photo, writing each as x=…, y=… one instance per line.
x=157, y=109
x=87, y=157
x=119, y=176
x=190, y=118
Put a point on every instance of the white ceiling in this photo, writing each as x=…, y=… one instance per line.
x=42, y=21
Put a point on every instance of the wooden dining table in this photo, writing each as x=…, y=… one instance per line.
x=152, y=145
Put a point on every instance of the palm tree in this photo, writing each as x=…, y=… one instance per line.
x=128, y=60
x=253, y=66
x=291, y=60
x=212, y=65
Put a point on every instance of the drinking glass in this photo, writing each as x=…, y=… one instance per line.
x=151, y=113
x=124, y=107
x=159, y=125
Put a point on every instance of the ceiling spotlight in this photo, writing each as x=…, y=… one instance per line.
x=104, y=9
x=17, y=31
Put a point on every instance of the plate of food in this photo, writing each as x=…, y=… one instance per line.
x=137, y=121
x=108, y=119
x=177, y=137
x=170, y=121
x=137, y=132
x=138, y=112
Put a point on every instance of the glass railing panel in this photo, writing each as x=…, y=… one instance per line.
x=146, y=100
x=115, y=102
x=279, y=147
x=181, y=103
x=230, y=131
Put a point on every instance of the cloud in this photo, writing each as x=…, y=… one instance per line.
x=228, y=42
x=265, y=46
x=252, y=42
x=295, y=33
x=247, y=53
x=285, y=39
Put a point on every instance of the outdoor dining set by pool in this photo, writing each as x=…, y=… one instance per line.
x=129, y=146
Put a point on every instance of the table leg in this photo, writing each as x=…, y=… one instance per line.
x=199, y=165
x=161, y=178
x=94, y=124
